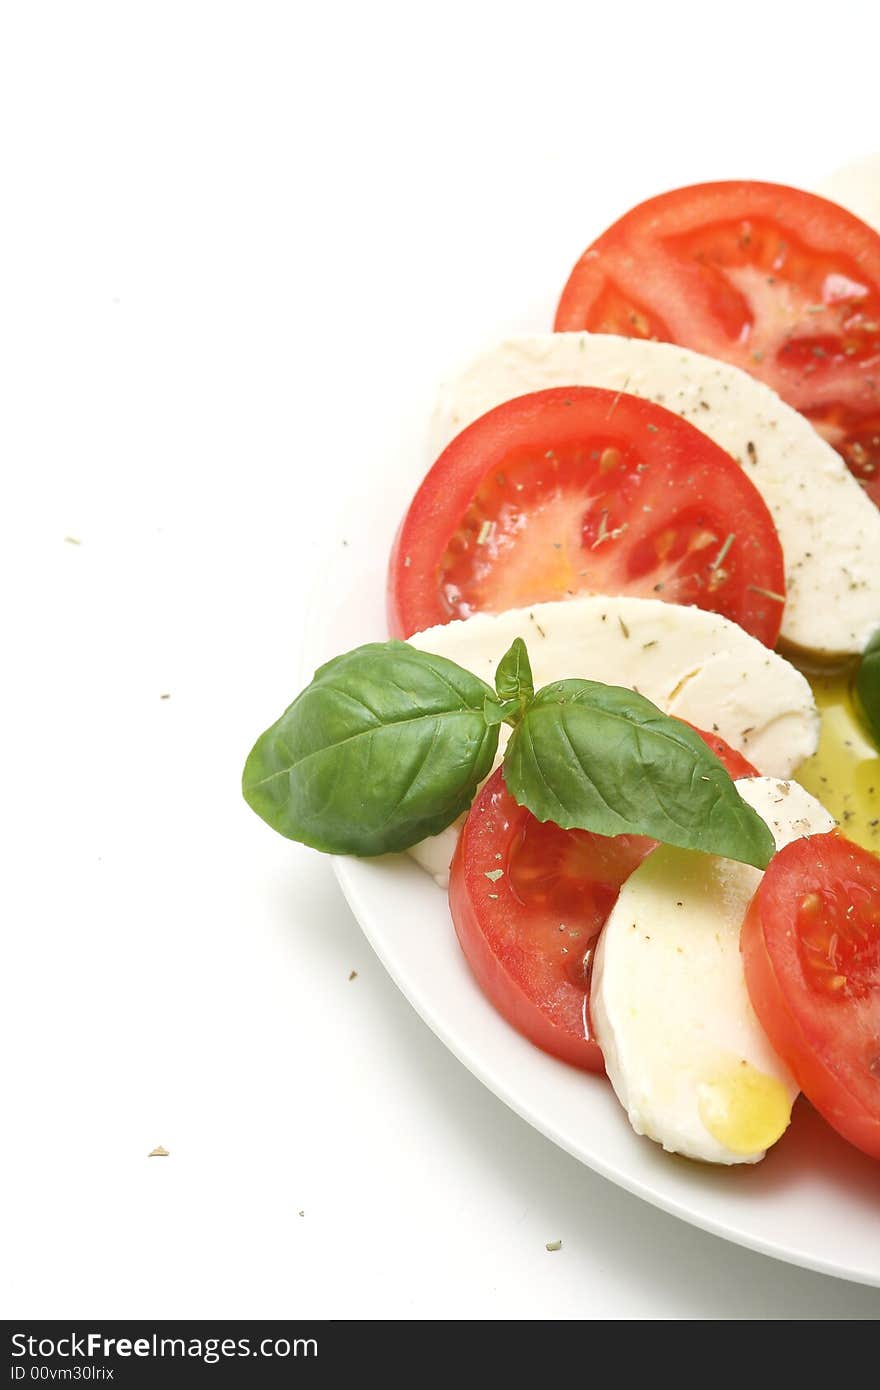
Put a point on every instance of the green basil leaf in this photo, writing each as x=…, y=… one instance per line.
x=387, y=745
x=868, y=686
x=601, y=758
x=495, y=713
x=513, y=677
x=515, y=687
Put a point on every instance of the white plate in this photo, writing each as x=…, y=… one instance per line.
x=814, y=1201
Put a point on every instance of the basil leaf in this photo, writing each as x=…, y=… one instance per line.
x=507, y=712
x=868, y=686
x=387, y=745
x=601, y=758
x=513, y=677
x=515, y=687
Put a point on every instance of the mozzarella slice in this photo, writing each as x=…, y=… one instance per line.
x=683, y=1048
x=691, y=663
x=857, y=187
x=434, y=854
x=829, y=528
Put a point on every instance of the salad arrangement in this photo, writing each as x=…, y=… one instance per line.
x=629, y=712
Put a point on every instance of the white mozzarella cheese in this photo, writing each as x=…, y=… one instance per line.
x=434, y=854
x=857, y=187
x=683, y=1048
x=828, y=527
x=691, y=663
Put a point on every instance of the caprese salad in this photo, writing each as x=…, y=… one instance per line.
x=629, y=712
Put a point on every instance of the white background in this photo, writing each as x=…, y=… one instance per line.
x=241, y=242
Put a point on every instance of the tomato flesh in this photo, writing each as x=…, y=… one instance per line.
x=783, y=284
x=811, y=950
x=529, y=899
x=734, y=763
x=581, y=490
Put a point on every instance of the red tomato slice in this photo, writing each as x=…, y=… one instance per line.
x=733, y=761
x=811, y=948
x=779, y=282
x=578, y=490
x=528, y=901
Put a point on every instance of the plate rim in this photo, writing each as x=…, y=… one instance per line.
x=656, y=1197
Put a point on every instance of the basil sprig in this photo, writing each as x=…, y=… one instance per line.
x=389, y=744
x=868, y=686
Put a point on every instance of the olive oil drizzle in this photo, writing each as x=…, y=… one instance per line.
x=844, y=774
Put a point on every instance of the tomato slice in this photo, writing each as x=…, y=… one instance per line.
x=811, y=948
x=580, y=490
x=528, y=901
x=779, y=282
x=733, y=761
